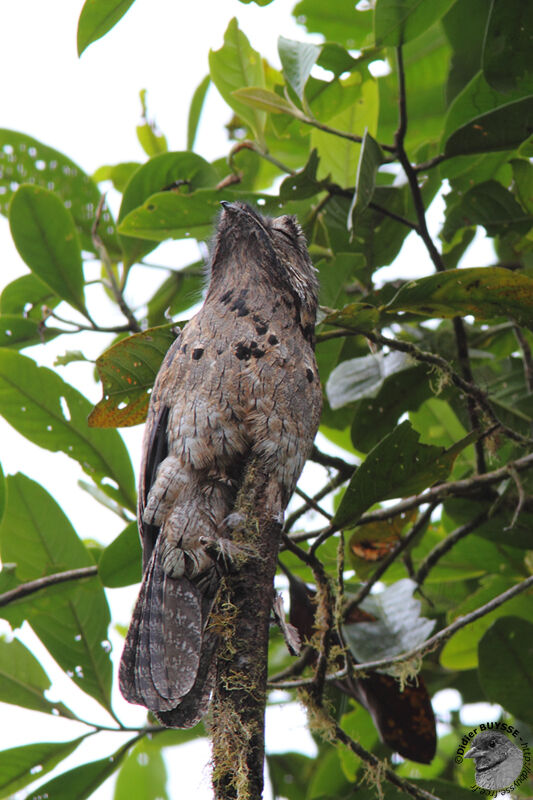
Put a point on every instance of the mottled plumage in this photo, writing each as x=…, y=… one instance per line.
x=240, y=381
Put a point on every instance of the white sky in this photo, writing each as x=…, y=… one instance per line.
x=88, y=108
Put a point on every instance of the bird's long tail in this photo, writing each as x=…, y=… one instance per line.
x=167, y=663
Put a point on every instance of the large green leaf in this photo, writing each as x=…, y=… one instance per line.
x=21, y=765
x=71, y=621
x=482, y=119
x=25, y=296
x=465, y=25
x=24, y=159
x=297, y=61
x=52, y=414
x=398, y=21
x=181, y=216
x=80, y=782
x=340, y=22
x=235, y=66
x=163, y=172
x=127, y=371
x=23, y=681
x=45, y=236
x=178, y=293
x=143, y=773
x=120, y=563
x=339, y=157
x=505, y=649
x=19, y=332
x=484, y=292
x=397, y=467
x=508, y=45
x=97, y=18
x=365, y=180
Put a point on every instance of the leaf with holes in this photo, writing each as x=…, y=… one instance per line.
x=71, y=622
x=80, y=782
x=19, y=332
x=179, y=216
x=173, y=172
x=97, y=18
x=45, y=236
x=397, y=467
x=484, y=292
x=26, y=296
x=53, y=415
x=22, y=765
x=127, y=371
x=26, y=160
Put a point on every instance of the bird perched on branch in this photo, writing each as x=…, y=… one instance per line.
x=239, y=382
x=498, y=760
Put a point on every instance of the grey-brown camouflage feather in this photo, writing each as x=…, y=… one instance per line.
x=240, y=381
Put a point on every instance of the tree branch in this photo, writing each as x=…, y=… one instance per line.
x=446, y=545
x=25, y=589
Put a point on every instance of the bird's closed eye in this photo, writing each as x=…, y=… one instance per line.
x=492, y=743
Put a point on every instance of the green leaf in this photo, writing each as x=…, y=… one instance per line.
x=370, y=158
x=143, y=773
x=53, y=415
x=97, y=18
x=19, y=332
x=195, y=110
x=505, y=649
x=121, y=562
x=25, y=296
x=523, y=179
x=264, y=100
x=297, y=61
x=21, y=765
x=342, y=22
x=482, y=120
x=397, y=467
x=80, y=782
x=235, y=66
x=302, y=184
x=45, y=236
x=2, y=493
x=508, y=45
x=484, y=292
x=465, y=25
x=355, y=378
x=71, y=621
x=118, y=174
x=23, y=681
x=338, y=157
x=397, y=624
x=461, y=651
x=181, y=216
x=398, y=21
x=127, y=371
x=152, y=141
x=360, y=317
x=168, y=173
x=26, y=160
x=374, y=417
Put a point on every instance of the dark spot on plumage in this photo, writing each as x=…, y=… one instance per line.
x=309, y=333
x=287, y=302
x=197, y=353
x=261, y=329
x=257, y=352
x=184, y=348
x=310, y=376
x=253, y=345
x=243, y=352
x=226, y=297
x=240, y=306
x=273, y=339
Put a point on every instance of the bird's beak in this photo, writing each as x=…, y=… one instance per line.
x=473, y=752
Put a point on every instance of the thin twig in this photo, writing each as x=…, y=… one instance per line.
x=326, y=460
x=31, y=587
x=440, y=492
x=422, y=649
x=106, y=261
x=312, y=503
x=333, y=484
x=446, y=545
